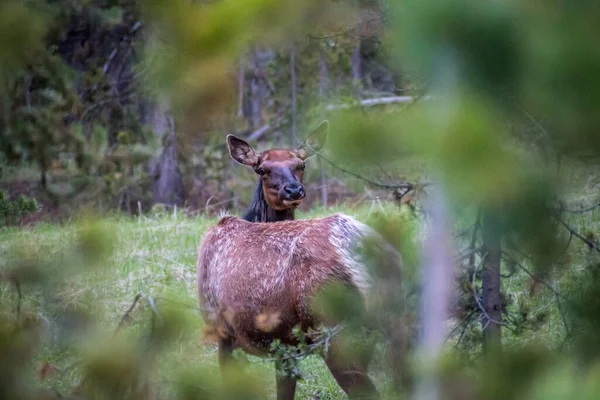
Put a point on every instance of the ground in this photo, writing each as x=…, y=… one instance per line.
x=154, y=256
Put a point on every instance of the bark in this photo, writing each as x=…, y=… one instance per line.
x=492, y=301
x=255, y=103
x=323, y=76
x=258, y=87
x=167, y=180
x=357, y=68
x=436, y=299
x=241, y=85
x=323, y=91
x=43, y=179
x=294, y=105
x=357, y=64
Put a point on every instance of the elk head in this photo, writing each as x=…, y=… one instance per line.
x=280, y=171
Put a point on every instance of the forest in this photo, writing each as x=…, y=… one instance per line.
x=463, y=135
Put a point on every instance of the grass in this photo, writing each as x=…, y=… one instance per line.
x=156, y=256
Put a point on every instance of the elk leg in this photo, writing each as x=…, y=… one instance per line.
x=225, y=353
x=230, y=372
x=351, y=375
x=286, y=387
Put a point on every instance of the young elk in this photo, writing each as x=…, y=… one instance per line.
x=257, y=281
x=279, y=190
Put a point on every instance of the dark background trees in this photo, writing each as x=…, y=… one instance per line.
x=85, y=107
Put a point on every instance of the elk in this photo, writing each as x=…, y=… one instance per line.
x=279, y=190
x=268, y=264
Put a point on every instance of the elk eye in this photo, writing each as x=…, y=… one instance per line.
x=261, y=171
x=302, y=166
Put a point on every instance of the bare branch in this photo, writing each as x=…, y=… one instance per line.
x=348, y=31
x=474, y=240
x=108, y=62
x=135, y=27
x=557, y=294
x=258, y=133
x=470, y=253
x=582, y=210
x=590, y=244
x=125, y=317
x=405, y=185
x=464, y=323
x=377, y=102
x=19, y=298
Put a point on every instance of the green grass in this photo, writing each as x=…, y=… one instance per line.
x=156, y=256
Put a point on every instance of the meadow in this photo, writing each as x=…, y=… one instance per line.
x=153, y=259
x=145, y=267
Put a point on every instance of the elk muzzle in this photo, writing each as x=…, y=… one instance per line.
x=292, y=192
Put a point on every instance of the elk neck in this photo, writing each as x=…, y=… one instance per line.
x=259, y=210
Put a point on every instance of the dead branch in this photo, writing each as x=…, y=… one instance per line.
x=474, y=239
x=376, y=102
x=464, y=323
x=581, y=211
x=348, y=31
x=470, y=254
x=125, y=317
x=556, y=293
x=152, y=304
x=260, y=132
x=405, y=185
x=257, y=134
x=590, y=244
x=19, y=298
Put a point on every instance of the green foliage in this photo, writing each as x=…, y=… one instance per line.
x=287, y=358
x=22, y=27
x=12, y=211
x=70, y=99
x=514, y=88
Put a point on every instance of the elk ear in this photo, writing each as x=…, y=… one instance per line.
x=315, y=141
x=241, y=151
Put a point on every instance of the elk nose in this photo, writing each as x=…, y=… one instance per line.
x=294, y=191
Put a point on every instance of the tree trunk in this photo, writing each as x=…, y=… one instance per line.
x=492, y=301
x=437, y=277
x=241, y=88
x=357, y=67
x=167, y=180
x=43, y=179
x=323, y=91
x=258, y=89
x=323, y=76
x=293, y=132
